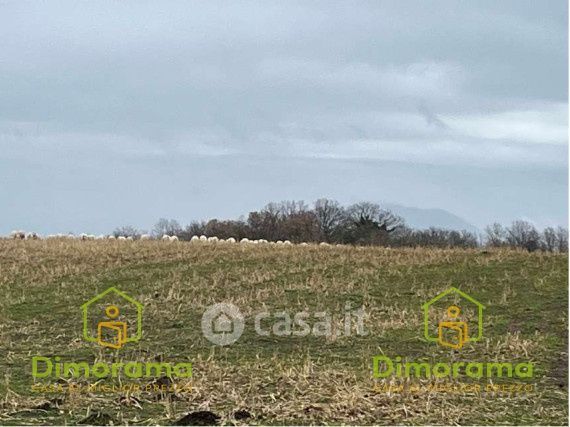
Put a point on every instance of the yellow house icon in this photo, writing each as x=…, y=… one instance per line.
x=454, y=332
x=111, y=332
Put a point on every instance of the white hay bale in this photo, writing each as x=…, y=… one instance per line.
x=31, y=236
x=18, y=235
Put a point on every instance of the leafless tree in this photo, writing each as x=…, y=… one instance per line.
x=495, y=235
x=562, y=239
x=389, y=221
x=226, y=228
x=433, y=237
x=126, y=231
x=195, y=228
x=166, y=226
x=368, y=224
x=265, y=224
x=330, y=215
x=300, y=227
x=290, y=207
x=523, y=234
x=363, y=213
x=549, y=239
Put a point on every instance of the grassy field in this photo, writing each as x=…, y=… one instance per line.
x=280, y=380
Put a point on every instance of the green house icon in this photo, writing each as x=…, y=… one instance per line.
x=464, y=297
x=115, y=328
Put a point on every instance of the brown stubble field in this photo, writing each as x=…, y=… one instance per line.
x=270, y=379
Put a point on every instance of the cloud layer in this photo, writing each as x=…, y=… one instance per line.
x=458, y=87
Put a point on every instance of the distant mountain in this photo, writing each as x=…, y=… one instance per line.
x=425, y=218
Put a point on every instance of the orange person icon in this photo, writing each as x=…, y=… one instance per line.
x=453, y=333
x=112, y=333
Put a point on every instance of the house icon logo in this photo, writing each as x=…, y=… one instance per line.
x=453, y=318
x=222, y=324
x=108, y=319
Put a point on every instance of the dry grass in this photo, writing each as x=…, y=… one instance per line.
x=280, y=380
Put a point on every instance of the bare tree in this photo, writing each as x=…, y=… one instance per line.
x=549, y=239
x=291, y=207
x=434, y=237
x=562, y=239
x=166, y=226
x=363, y=213
x=300, y=227
x=522, y=234
x=368, y=224
x=330, y=215
x=389, y=221
x=495, y=235
x=225, y=229
x=195, y=228
x=126, y=231
x=266, y=224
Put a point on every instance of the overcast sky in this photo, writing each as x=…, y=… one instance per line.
x=121, y=112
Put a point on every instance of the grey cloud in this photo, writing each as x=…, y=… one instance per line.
x=457, y=85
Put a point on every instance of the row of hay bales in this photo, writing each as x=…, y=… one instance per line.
x=23, y=235
x=244, y=241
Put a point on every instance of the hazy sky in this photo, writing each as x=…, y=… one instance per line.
x=121, y=112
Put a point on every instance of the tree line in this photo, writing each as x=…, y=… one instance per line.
x=363, y=223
